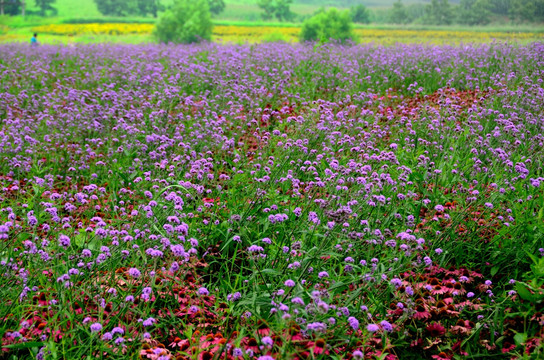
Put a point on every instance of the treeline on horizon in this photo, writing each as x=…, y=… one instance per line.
x=467, y=12
x=434, y=12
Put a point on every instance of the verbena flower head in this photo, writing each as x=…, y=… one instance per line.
x=353, y=322
x=357, y=354
x=203, y=291
x=386, y=326
x=135, y=273
x=96, y=327
x=289, y=283
x=149, y=322
x=267, y=341
x=64, y=241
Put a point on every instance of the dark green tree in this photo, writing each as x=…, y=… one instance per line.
x=216, y=6
x=279, y=9
x=539, y=4
x=10, y=7
x=45, y=6
x=415, y=12
x=148, y=7
x=360, y=14
x=527, y=10
x=268, y=9
x=500, y=7
x=186, y=21
x=117, y=7
x=438, y=12
x=326, y=25
x=398, y=13
x=474, y=12
x=128, y=7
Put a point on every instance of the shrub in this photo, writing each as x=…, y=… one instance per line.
x=327, y=25
x=186, y=21
x=275, y=36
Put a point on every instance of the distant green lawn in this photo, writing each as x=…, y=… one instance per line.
x=72, y=8
x=235, y=9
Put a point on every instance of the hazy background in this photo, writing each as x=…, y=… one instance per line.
x=379, y=11
x=388, y=21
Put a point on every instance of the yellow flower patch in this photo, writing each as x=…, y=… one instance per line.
x=95, y=28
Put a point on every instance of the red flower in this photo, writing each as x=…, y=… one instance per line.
x=441, y=356
x=421, y=313
x=507, y=347
x=438, y=290
x=436, y=330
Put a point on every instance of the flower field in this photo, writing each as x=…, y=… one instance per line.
x=383, y=36
x=96, y=28
x=272, y=201
x=253, y=34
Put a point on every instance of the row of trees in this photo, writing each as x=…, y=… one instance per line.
x=129, y=7
x=18, y=7
x=105, y=7
x=280, y=10
x=468, y=12
x=145, y=7
x=437, y=12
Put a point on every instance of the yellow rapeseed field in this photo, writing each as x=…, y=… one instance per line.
x=440, y=36
x=95, y=28
x=255, y=33
x=252, y=34
x=272, y=33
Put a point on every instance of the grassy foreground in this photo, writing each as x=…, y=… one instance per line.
x=271, y=201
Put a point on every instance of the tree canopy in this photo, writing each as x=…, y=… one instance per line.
x=279, y=9
x=360, y=14
x=186, y=21
x=326, y=25
x=128, y=7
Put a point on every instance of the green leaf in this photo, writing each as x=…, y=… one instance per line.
x=523, y=292
x=534, y=258
x=25, y=345
x=94, y=244
x=520, y=338
x=530, y=234
x=80, y=238
x=24, y=236
x=338, y=284
x=494, y=270
x=271, y=272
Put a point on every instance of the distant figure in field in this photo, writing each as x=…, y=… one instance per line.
x=34, y=40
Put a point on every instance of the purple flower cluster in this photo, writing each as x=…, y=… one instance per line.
x=278, y=181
